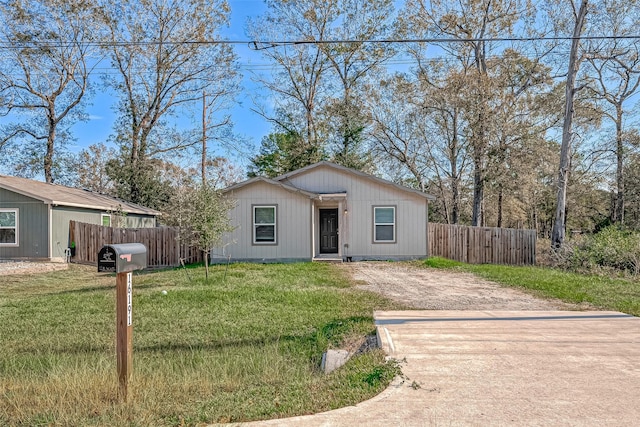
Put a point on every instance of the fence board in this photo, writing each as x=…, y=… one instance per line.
x=482, y=245
x=163, y=246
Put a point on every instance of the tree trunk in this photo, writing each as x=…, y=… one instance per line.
x=48, y=157
x=455, y=179
x=455, y=196
x=206, y=265
x=479, y=139
x=478, y=188
x=445, y=205
x=558, y=233
x=619, y=206
x=204, y=138
x=500, y=196
x=51, y=137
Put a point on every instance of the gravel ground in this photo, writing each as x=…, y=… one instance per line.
x=27, y=267
x=434, y=289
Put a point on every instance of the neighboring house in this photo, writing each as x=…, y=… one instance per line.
x=325, y=211
x=34, y=216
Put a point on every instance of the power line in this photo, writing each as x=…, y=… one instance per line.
x=261, y=45
x=270, y=67
x=268, y=44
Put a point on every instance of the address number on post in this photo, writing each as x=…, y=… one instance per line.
x=129, y=299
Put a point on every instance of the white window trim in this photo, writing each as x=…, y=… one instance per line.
x=275, y=225
x=394, y=224
x=102, y=216
x=17, y=228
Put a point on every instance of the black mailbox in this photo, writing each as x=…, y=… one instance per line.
x=122, y=258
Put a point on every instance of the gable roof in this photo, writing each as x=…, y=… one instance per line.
x=61, y=195
x=282, y=185
x=352, y=172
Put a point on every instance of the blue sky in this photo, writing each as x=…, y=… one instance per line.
x=247, y=123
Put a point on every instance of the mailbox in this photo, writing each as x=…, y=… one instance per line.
x=122, y=258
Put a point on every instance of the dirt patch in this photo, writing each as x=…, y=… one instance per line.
x=434, y=289
x=27, y=267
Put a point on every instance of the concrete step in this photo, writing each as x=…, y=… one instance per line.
x=327, y=259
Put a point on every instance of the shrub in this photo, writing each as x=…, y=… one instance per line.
x=611, y=248
x=617, y=248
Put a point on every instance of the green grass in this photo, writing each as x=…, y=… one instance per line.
x=619, y=294
x=245, y=348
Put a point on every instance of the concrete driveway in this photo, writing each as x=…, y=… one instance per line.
x=499, y=368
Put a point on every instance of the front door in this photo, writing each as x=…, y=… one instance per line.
x=328, y=231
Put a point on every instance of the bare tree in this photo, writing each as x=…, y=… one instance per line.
x=353, y=63
x=615, y=65
x=300, y=70
x=44, y=75
x=421, y=129
x=317, y=84
x=396, y=126
x=473, y=23
x=89, y=169
x=559, y=225
x=166, y=54
x=521, y=119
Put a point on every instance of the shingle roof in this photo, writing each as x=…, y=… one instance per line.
x=68, y=196
x=335, y=166
x=272, y=182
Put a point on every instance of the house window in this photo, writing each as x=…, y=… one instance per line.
x=8, y=227
x=264, y=224
x=384, y=224
x=106, y=220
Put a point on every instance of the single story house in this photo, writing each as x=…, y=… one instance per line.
x=325, y=211
x=34, y=216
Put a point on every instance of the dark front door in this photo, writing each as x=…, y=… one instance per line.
x=328, y=231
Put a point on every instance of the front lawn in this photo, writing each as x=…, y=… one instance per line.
x=607, y=293
x=244, y=348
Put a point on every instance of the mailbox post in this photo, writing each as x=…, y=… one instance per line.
x=122, y=259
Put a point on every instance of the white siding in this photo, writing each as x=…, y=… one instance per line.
x=293, y=225
x=362, y=195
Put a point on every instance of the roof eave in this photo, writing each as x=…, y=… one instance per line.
x=355, y=172
x=26, y=193
x=106, y=208
x=269, y=181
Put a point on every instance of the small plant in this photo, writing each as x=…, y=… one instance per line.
x=375, y=377
x=382, y=374
x=437, y=262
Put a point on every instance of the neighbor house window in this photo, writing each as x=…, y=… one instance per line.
x=8, y=227
x=106, y=220
x=384, y=224
x=264, y=224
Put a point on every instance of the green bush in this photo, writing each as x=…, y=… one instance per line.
x=617, y=248
x=613, y=248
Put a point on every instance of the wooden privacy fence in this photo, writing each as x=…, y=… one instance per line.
x=163, y=247
x=483, y=245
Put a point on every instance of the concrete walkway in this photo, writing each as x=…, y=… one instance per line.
x=499, y=368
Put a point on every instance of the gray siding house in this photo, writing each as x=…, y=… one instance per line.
x=34, y=216
x=325, y=211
